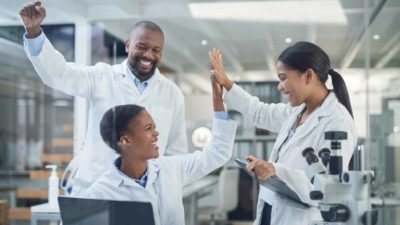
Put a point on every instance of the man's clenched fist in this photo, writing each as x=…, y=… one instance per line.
x=32, y=16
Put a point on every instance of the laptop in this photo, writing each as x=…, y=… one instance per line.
x=80, y=211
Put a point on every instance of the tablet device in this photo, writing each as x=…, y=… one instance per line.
x=241, y=163
x=278, y=186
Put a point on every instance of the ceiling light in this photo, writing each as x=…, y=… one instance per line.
x=313, y=11
x=204, y=42
x=288, y=40
x=376, y=37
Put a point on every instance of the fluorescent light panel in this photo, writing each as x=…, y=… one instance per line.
x=107, y=12
x=321, y=12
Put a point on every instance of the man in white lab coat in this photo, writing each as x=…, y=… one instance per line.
x=135, y=81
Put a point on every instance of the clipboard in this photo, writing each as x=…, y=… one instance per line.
x=279, y=187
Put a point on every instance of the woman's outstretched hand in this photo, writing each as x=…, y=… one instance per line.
x=218, y=71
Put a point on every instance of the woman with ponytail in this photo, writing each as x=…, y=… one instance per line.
x=313, y=109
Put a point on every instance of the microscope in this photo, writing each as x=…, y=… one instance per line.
x=342, y=195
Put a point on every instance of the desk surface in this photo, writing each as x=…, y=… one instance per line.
x=45, y=208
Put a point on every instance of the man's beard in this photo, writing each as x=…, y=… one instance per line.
x=140, y=73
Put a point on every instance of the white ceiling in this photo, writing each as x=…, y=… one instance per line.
x=251, y=38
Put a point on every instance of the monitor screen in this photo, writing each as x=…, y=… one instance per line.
x=80, y=211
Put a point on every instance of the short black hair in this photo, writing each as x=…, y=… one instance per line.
x=115, y=121
x=148, y=25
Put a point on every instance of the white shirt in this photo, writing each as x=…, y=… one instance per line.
x=291, y=165
x=106, y=86
x=167, y=175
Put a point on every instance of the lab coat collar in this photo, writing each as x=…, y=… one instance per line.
x=153, y=172
x=118, y=179
x=326, y=107
x=123, y=68
x=322, y=111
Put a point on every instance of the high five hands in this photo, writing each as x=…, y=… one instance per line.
x=217, y=95
x=32, y=16
x=262, y=169
x=218, y=71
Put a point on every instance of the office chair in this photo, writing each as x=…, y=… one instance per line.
x=228, y=185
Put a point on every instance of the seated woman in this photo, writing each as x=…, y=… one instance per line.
x=139, y=175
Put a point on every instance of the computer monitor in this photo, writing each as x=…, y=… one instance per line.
x=80, y=211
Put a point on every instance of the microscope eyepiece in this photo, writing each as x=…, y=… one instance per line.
x=323, y=152
x=310, y=156
x=325, y=155
x=315, y=167
x=306, y=150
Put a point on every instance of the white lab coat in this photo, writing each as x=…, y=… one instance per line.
x=106, y=86
x=330, y=116
x=167, y=175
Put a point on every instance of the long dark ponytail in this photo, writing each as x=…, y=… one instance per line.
x=340, y=89
x=304, y=55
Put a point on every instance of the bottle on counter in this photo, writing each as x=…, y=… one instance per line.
x=53, y=186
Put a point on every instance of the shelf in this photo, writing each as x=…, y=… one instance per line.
x=20, y=213
x=32, y=194
x=62, y=143
x=256, y=138
x=24, y=193
x=43, y=174
x=56, y=158
x=13, y=173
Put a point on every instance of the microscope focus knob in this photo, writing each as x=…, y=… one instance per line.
x=346, y=177
x=316, y=195
x=339, y=213
x=368, y=179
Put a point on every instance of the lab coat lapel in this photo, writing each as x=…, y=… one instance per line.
x=129, y=84
x=311, y=123
x=127, y=80
x=155, y=81
x=285, y=130
x=305, y=129
x=117, y=178
x=152, y=175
